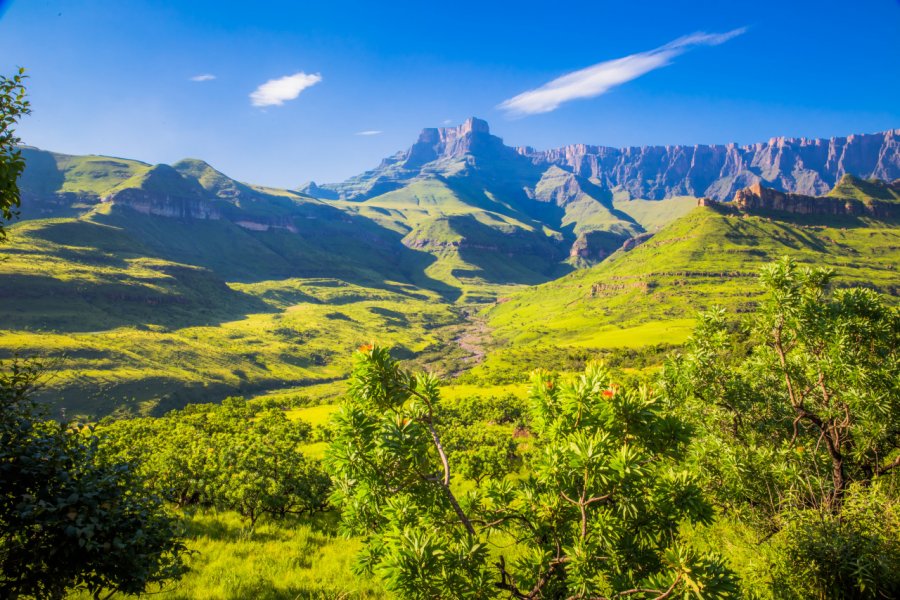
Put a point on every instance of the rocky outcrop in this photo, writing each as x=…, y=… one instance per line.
x=759, y=199
x=799, y=165
x=472, y=137
x=594, y=246
x=173, y=207
x=438, y=151
x=633, y=242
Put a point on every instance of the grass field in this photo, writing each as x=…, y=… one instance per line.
x=294, y=559
x=137, y=334
x=651, y=294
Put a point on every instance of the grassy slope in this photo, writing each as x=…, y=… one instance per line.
x=860, y=189
x=136, y=330
x=651, y=294
x=653, y=215
x=297, y=558
x=152, y=312
x=95, y=174
x=443, y=220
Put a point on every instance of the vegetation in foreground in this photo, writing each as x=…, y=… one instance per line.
x=789, y=428
x=761, y=463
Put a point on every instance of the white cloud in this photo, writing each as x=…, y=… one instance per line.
x=602, y=77
x=369, y=132
x=276, y=92
x=204, y=77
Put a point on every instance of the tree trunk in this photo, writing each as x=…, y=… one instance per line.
x=838, y=478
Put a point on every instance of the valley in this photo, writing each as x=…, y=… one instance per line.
x=282, y=319
x=149, y=287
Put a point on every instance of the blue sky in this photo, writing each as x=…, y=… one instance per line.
x=116, y=77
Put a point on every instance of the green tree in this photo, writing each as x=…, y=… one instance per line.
x=13, y=105
x=798, y=420
x=262, y=470
x=236, y=456
x=598, y=516
x=68, y=518
x=481, y=451
x=819, y=390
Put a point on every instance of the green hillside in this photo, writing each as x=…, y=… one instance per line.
x=481, y=245
x=142, y=310
x=861, y=189
x=652, y=293
x=151, y=286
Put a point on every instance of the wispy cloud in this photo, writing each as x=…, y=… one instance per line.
x=276, y=92
x=369, y=132
x=602, y=77
x=204, y=77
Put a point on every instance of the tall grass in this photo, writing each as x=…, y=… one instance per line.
x=291, y=559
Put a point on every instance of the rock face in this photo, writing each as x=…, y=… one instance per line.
x=758, y=199
x=439, y=151
x=472, y=137
x=799, y=165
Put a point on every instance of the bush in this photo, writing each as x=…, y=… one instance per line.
x=68, y=517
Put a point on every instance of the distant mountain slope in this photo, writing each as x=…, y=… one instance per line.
x=458, y=210
x=860, y=189
x=163, y=284
x=651, y=292
x=582, y=193
x=582, y=221
x=800, y=165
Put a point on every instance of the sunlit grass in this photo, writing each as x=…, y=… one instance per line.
x=295, y=558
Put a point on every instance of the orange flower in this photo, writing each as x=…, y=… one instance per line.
x=365, y=348
x=549, y=385
x=608, y=393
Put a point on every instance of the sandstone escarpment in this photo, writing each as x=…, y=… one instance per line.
x=757, y=199
x=799, y=165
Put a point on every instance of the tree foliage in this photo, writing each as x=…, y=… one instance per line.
x=798, y=420
x=597, y=516
x=237, y=456
x=69, y=518
x=13, y=105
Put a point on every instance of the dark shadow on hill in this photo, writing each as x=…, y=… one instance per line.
x=505, y=256
x=508, y=200
x=325, y=243
x=605, y=197
x=130, y=269
x=103, y=308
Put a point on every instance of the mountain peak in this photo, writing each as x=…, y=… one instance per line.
x=474, y=125
x=451, y=142
x=446, y=135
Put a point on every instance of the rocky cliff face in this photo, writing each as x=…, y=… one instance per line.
x=439, y=151
x=472, y=137
x=759, y=199
x=799, y=165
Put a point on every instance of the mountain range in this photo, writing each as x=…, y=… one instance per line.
x=799, y=165
x=476, y=210
x=165, y=284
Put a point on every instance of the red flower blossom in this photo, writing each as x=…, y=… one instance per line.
x=608, y=393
